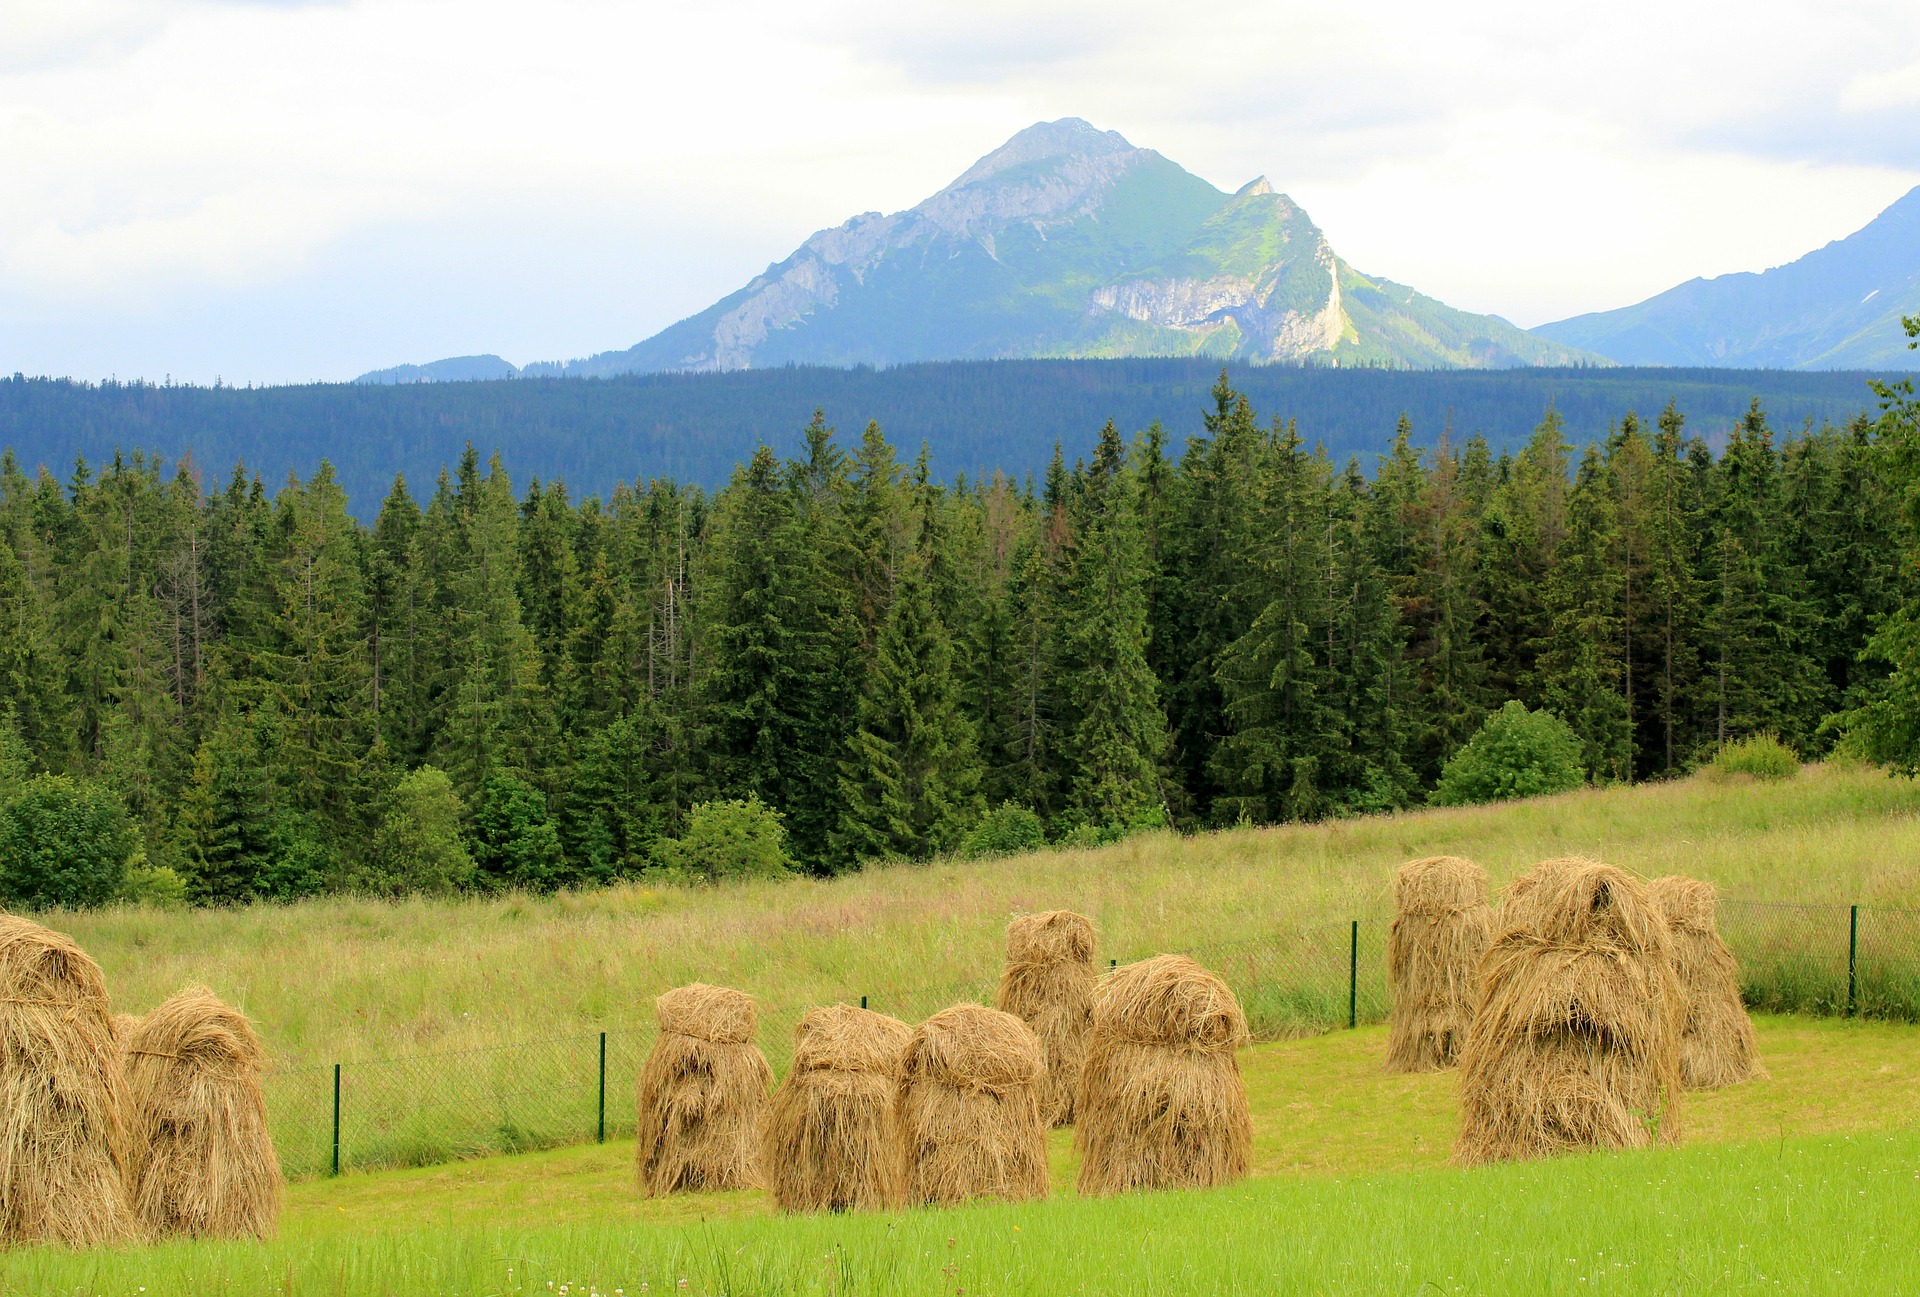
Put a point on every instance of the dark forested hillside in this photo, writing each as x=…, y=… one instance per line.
x=501, y=683
x=975, y=417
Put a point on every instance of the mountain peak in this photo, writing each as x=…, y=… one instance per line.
x=1069, y=240
x=1068, y=137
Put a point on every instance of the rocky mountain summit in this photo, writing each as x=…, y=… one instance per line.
x=1068, y=241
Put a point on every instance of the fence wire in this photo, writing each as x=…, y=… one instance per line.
x=431, y=1108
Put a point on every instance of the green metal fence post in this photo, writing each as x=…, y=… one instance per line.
x=603, y=1088
x=336, y=1119
x=1113, y=965
x=1353, y=979
x=863, y=1001
x=1853, y=955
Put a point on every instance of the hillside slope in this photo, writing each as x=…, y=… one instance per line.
x=1838, y=307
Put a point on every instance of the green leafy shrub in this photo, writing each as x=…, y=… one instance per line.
x=63, y=842
x=1517, y=753
x=1759, y=756
x=155, y=885
x=1007, y=830
x=1103, y=833
x=418, y=847
x=724, y=840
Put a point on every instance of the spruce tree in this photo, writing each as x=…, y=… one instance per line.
x=1119, y=732
x=910, y=781
x=1580, y=671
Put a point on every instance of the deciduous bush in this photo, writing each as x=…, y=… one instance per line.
x=63, y=842
x=1006, y=830
x=737, y=839
x=1759, y=756
x=1517, y=753
x=418, y=847
x=156, y=885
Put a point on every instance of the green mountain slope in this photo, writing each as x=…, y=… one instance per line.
x=1838, y=307
x=1068, y=241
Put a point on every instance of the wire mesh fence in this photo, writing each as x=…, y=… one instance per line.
x=430, y=1108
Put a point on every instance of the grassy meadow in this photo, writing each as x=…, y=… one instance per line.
x=343, y=979
x=470, y=1028
x=1801, y=1182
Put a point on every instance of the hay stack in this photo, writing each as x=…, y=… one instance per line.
x=1716, y=1039
x=1576, y=1043
x=1441, y=924
x=1162, y=1104
x=832, y=1137
x=200, y=1163
x=62, y=1141
x=969, y=1108
x=701, y=1094
x=1048, y=984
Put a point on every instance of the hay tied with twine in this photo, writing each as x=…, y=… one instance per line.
x=1048, y=984
x=701, y=1094
x=1576, y=1043
x=1716, y=1041
x=1162, y=1103
x=62, y=1138
x=1441, y=925
x=200, y=1162
x=969, y=1108
x=832, y=1136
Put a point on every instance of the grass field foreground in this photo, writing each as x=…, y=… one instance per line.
x=1812, y=1215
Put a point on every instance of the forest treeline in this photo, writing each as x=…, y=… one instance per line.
x=976, y=416
x=1233, y=629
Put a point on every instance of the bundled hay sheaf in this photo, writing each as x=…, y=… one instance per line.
x=1716, y=1041
x=1441, y=925
x=62, y=1138
x=1576, y=1042
x=1048, y=984
x=200, y=1163
x=1162, y=1102
x=969, y=1108
x=701, y=1094
x=832, y=1135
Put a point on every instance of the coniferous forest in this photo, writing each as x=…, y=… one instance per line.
x=500, y=685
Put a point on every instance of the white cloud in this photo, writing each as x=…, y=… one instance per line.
x=401, y=179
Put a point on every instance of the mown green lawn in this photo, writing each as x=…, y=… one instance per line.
x=1810, y=1214
x=1807, y=1181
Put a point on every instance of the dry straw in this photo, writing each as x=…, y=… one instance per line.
x=701, y=1094
x=62, y=1142
x=200, y=1162
x=1576, y=1043
x=832, y=1137
x=969, y=1108
x=1716, y=1041
x=1048, y=984
x=1162, y=1103
x=1441, y=924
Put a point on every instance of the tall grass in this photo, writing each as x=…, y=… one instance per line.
x=344, y=978
x=519, y=987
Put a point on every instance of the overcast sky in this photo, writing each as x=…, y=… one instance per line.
x=280, y=191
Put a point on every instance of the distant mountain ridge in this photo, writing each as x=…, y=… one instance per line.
x=1838, y=307
x=1068, y=241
